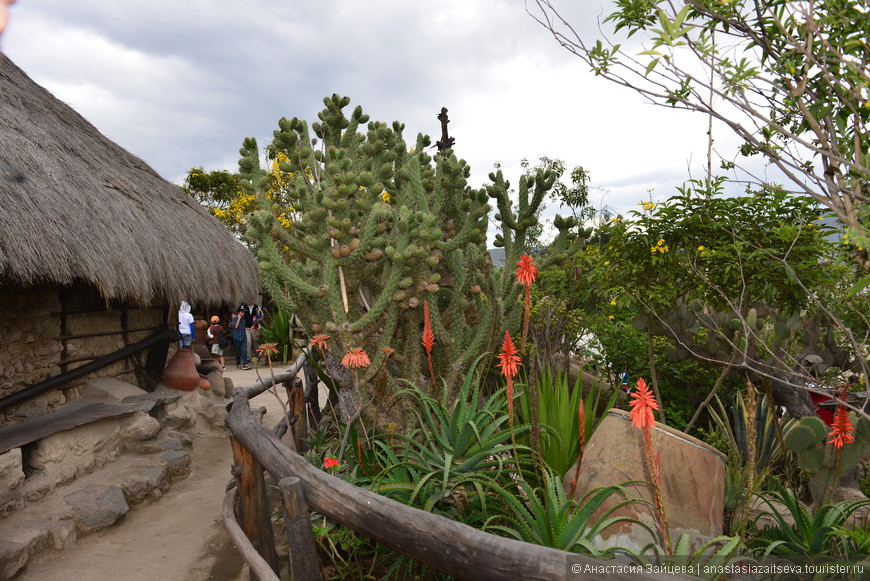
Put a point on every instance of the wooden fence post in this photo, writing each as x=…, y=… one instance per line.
x=254, y=515
x=304, y=562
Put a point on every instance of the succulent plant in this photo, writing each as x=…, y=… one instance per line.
x=381, y=228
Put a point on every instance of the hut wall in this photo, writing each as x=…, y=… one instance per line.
x=48, y=330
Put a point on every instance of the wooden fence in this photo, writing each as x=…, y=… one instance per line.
x=449, y=546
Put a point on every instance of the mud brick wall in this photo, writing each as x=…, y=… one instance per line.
x=36, y=339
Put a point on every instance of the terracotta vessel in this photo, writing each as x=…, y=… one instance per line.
x=180, y=372
x=692, y=481
x=203, y=383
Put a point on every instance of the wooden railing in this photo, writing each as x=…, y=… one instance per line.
x=449, y=546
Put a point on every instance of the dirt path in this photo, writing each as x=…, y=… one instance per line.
x=177, y=538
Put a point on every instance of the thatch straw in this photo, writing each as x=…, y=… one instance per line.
x=89, y=210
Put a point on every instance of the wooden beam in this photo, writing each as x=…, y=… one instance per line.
x=304, y=562
x=254, y=513
x=259, y=568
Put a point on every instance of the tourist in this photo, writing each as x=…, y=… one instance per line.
x=215, y=333
x=185, y=325
x=253, y=314
x=240, y=340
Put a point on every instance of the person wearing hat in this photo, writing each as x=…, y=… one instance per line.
x=217, y=340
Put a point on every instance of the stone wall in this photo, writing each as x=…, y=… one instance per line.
x=43, y=327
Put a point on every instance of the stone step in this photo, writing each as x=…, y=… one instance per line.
x=92, y=502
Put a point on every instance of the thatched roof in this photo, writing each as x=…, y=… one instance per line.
x=89, y=210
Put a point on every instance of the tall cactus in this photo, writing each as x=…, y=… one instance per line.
x=381, y=228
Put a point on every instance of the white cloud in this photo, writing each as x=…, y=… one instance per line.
x=180, y=84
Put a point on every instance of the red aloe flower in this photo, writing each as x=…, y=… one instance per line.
x=356, y=358
x=330, y=462
x=319, y=341
x=509, y=362
x=428, y=339
x=642, y=405
x=527, y=273
x=841, y=430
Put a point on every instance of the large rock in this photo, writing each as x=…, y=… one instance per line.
x=13, y=557
x=692, y=481
x=96, y=507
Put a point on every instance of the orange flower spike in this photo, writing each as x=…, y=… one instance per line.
x=509, y=361
x=527, y=271
x=428, y=336
x=356, y=358
x=841, y=431
x=319, y=341
x=642, y=404
x=428, y=340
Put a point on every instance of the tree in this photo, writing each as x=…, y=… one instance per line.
x=737, y=282
x=790, y=78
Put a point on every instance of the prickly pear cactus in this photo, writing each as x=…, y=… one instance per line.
x=380, y=228
x=808, y=441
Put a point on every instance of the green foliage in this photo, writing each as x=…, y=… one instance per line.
x=278, y=329
x=558, y=406
x=461, y=450
x=716, y=554
x=546, y=516
x=805, y=61
x=814, y=532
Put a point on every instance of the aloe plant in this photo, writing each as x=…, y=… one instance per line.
x=558, y=417
x=546, y=516
x=460, y=450
x=814, y=532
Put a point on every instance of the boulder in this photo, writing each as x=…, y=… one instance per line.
x=96, y=507
x=692, y=482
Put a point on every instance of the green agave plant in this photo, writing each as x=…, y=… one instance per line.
x=814, y=532
x=768, y=445
x=459, y=451
x=546, y=516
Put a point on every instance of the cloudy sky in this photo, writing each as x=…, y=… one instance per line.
x=181, y=83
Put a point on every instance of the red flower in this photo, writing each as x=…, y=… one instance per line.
x=527, y=271
x=428, y=339
x=330, y=462
x=388, y=350
x=356, y=358
x=428, y=335
x=841, y=432
x=319, y=341
x=509, y=361
x=642, y=405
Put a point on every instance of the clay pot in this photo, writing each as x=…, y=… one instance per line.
x=692, y=481
x=180, y=372
x=203, y=383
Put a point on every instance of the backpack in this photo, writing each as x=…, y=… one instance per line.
x=222, y=341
